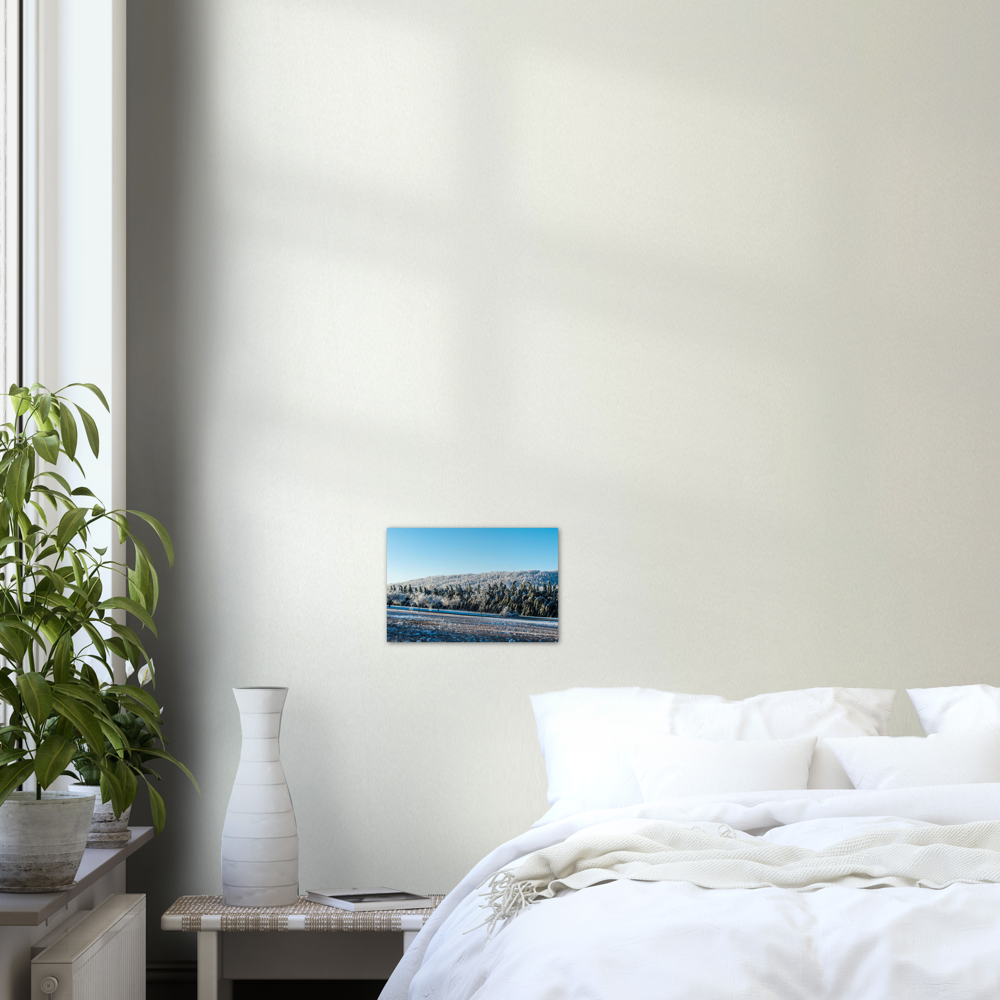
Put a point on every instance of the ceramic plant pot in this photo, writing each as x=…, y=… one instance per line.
x=105, y=831
x=260, y=841
x=42, y=840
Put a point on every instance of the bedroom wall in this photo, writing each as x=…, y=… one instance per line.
x=709, y=286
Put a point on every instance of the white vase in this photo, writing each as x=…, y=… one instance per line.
x=260, y=842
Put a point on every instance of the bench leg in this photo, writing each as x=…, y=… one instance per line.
x=211, y=985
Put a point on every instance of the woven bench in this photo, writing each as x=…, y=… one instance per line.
x=229, y=949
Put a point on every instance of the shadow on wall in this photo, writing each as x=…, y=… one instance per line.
x=157, y=421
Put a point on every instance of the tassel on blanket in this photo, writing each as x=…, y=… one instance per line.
x=507, y=895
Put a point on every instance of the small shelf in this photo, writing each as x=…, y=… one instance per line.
x=29, y=909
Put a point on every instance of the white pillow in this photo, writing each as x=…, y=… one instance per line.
x=956, y=709
x=586, y=734
x=671, y=766
x=879, y=762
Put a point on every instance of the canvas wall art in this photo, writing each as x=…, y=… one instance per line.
x=472, y=584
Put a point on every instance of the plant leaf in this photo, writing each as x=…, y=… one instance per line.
x=130, y=783
x=93, y=388
x=111, y=787
x=38, y=506
x=82, y=692
x=114, y=734
x=46, y=445
x=62, y=660
x=13, y=623
x=156, y=807
x=12, y=641
x=137, y=694
x=161, y=533
x=8, y=691
x=16, y=483
x=36, y=695
x=150, y=718
x=77, y=569
x=28, y=474
x=12, y=645
x=70, y=523
x=123, y=526
x=26, y=527
x=59, y=479
x=117, y=646
x=173, y=760
x=12, y=775
x=91, y=428
x=84, y=719
x=121, y=783
x=52, y=758
x=20, y=397
x=132, y=607
x=58, y=585
x=70, y=434
x=96, y=639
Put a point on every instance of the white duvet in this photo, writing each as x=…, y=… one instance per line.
x=640, y=940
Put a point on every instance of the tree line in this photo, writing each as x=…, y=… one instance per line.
x=522, y=598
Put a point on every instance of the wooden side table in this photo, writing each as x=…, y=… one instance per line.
x=237, y=942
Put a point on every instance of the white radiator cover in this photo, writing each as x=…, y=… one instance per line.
x=99, y=957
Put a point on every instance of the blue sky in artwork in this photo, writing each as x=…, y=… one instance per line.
x=412, y=553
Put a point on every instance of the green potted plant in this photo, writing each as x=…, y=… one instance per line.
x=108, y=830
x=57, y=639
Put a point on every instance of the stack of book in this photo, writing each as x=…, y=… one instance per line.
x=379, y=898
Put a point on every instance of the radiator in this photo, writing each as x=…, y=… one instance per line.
x=100, y=955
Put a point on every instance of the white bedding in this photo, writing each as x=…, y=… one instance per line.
x=673, y=940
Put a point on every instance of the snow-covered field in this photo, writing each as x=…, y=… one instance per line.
x=426, y=626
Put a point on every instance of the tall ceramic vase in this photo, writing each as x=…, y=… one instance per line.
x=260, y=842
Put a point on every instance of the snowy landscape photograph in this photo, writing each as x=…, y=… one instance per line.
x=472, y=584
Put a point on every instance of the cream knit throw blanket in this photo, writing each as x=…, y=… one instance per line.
x=932, y=857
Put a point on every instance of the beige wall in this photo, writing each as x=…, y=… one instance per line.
x=710, y=286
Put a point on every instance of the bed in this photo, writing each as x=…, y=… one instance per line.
x=667, y=867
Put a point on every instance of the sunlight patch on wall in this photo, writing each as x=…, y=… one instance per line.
x=704, y=421
x=931, y=228
x=368, y=99
x=721, y=182
x=364, y=340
